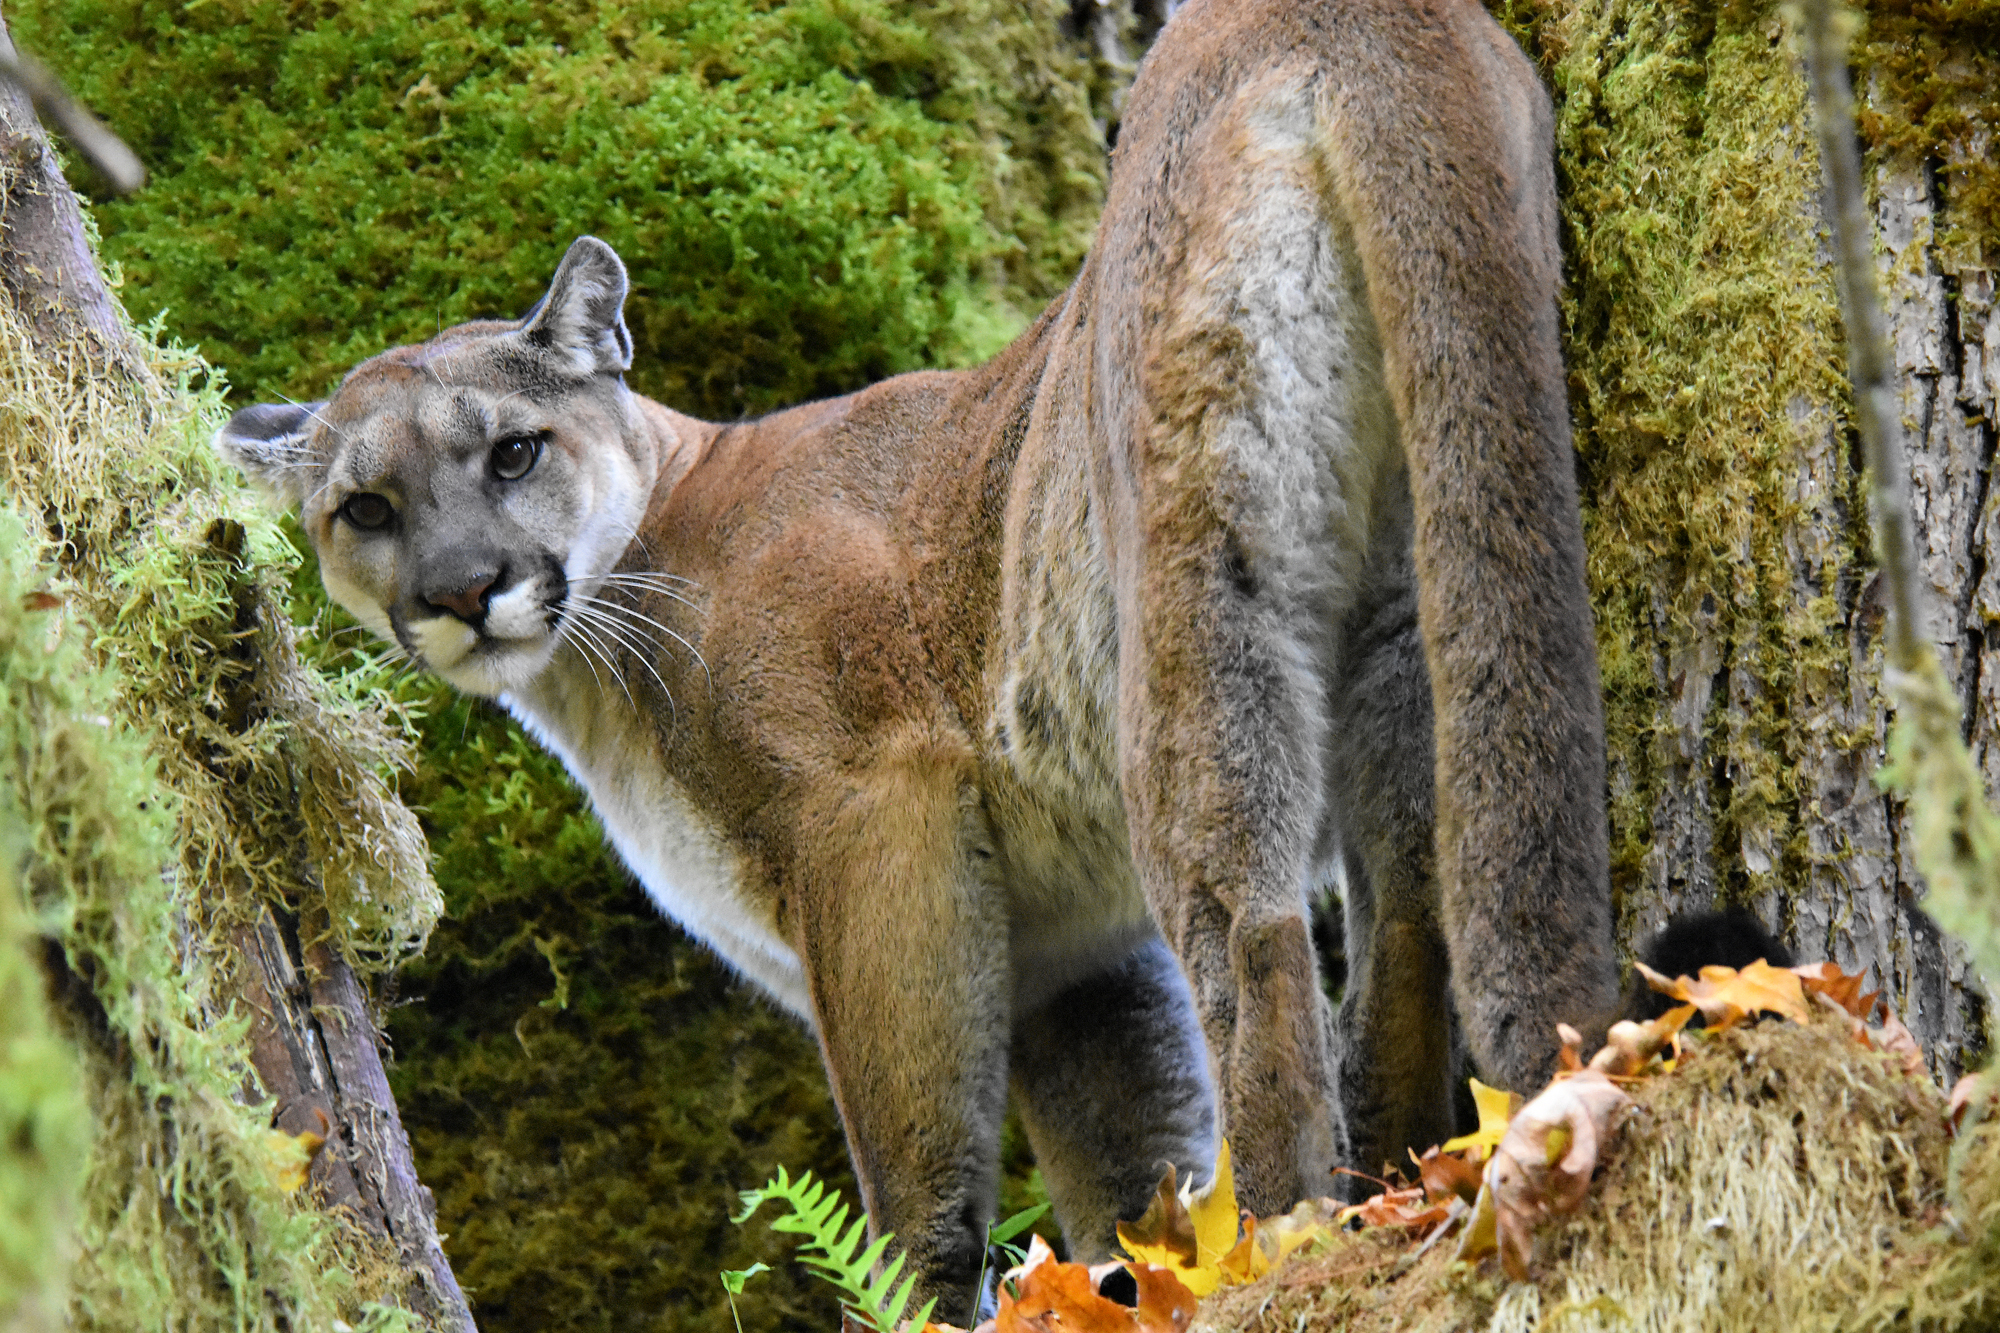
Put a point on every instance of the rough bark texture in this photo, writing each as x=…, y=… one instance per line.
x=312, y=1041
x=372, y=1136
x=1740, y=621
x=50, y=273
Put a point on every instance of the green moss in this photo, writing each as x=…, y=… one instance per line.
x=45, y=1130
x=1935, y=96
x=179, y=1221
x=1699, y=324
x=799, y=186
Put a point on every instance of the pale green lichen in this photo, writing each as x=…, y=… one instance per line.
x=176, y=1221
x=44, y=1126
x=175, y=771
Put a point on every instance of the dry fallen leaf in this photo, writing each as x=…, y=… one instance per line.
x=1895, y=1039
x=1629, y=1046
x=1399, y=1208
x=1727, y=995
x=1203, y=1240
x=1447, y=1175
x=1053, y=1297
x=1970, y=1091
x=1841, y=988
x=1044, y=1295
x=1543, y=1166
x=1165, y=1303
x=1496, y=1107
x=1185, y=1233
x=1164, y=1233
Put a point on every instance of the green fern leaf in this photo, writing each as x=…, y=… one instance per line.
x=830, y=1239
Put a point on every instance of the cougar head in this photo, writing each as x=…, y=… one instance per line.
x=466, y=495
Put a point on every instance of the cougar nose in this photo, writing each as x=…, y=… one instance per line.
x=467, y=603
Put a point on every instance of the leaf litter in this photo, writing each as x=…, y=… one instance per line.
x=1795, y=1175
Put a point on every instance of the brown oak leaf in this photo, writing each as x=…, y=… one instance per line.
x=1447, y=1175
x=1843, y=989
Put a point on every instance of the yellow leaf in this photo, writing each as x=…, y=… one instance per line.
x=289, y=1157
x=1185, y=1233
x=1214, y=1213
x=1496, y=1108
x=1205, y=1241
x=1163, y=1236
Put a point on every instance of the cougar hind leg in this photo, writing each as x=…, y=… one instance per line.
x=1398, y=1051
x=1111, y=1080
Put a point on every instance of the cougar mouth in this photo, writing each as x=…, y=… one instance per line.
x=514, y=639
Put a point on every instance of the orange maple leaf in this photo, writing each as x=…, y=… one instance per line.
x=1206, y=1242
x=1447, y=1175
x=1629, y=1047
x=1044, y=1295
x=1843, y=989
x=1726, y=995
x=1051, y=1297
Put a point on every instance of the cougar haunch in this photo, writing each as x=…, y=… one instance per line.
x=1000, y=722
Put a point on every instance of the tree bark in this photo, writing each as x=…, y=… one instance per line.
x=313, y=1045
x=1741, y=618
x=313, y=1034
x=50, y=273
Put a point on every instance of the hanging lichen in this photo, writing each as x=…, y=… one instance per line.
x=44, y=1127
x=178, y=1221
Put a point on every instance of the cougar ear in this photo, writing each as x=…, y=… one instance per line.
x=273, y=444
x=581, y=318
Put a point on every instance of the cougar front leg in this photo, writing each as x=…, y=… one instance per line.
x=1221, y=732
x=905, y=947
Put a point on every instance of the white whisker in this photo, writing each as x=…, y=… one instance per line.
x=607, y=606
x=628, y=636
x=315, y=416
x=588, y=647
x=663, y=591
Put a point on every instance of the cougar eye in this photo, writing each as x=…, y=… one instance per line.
x=515, y=456
x=367, y=511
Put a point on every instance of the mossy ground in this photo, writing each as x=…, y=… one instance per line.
x=1781, y=1178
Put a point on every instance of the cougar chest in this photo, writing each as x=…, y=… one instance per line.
x=678, y=854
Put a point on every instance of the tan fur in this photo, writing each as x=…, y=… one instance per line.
x=1007, y=717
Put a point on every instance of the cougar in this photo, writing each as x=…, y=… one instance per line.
x=1000, y=722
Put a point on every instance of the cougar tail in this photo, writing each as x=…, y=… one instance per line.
x=1449, y=189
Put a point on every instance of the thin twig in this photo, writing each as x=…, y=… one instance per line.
x=1825, y=37
x=101, y=148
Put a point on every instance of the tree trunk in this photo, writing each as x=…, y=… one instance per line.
x=313, y=1033
x=1740, y=622
x=313, y=1045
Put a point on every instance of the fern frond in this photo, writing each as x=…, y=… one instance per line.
x=821, y=1216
